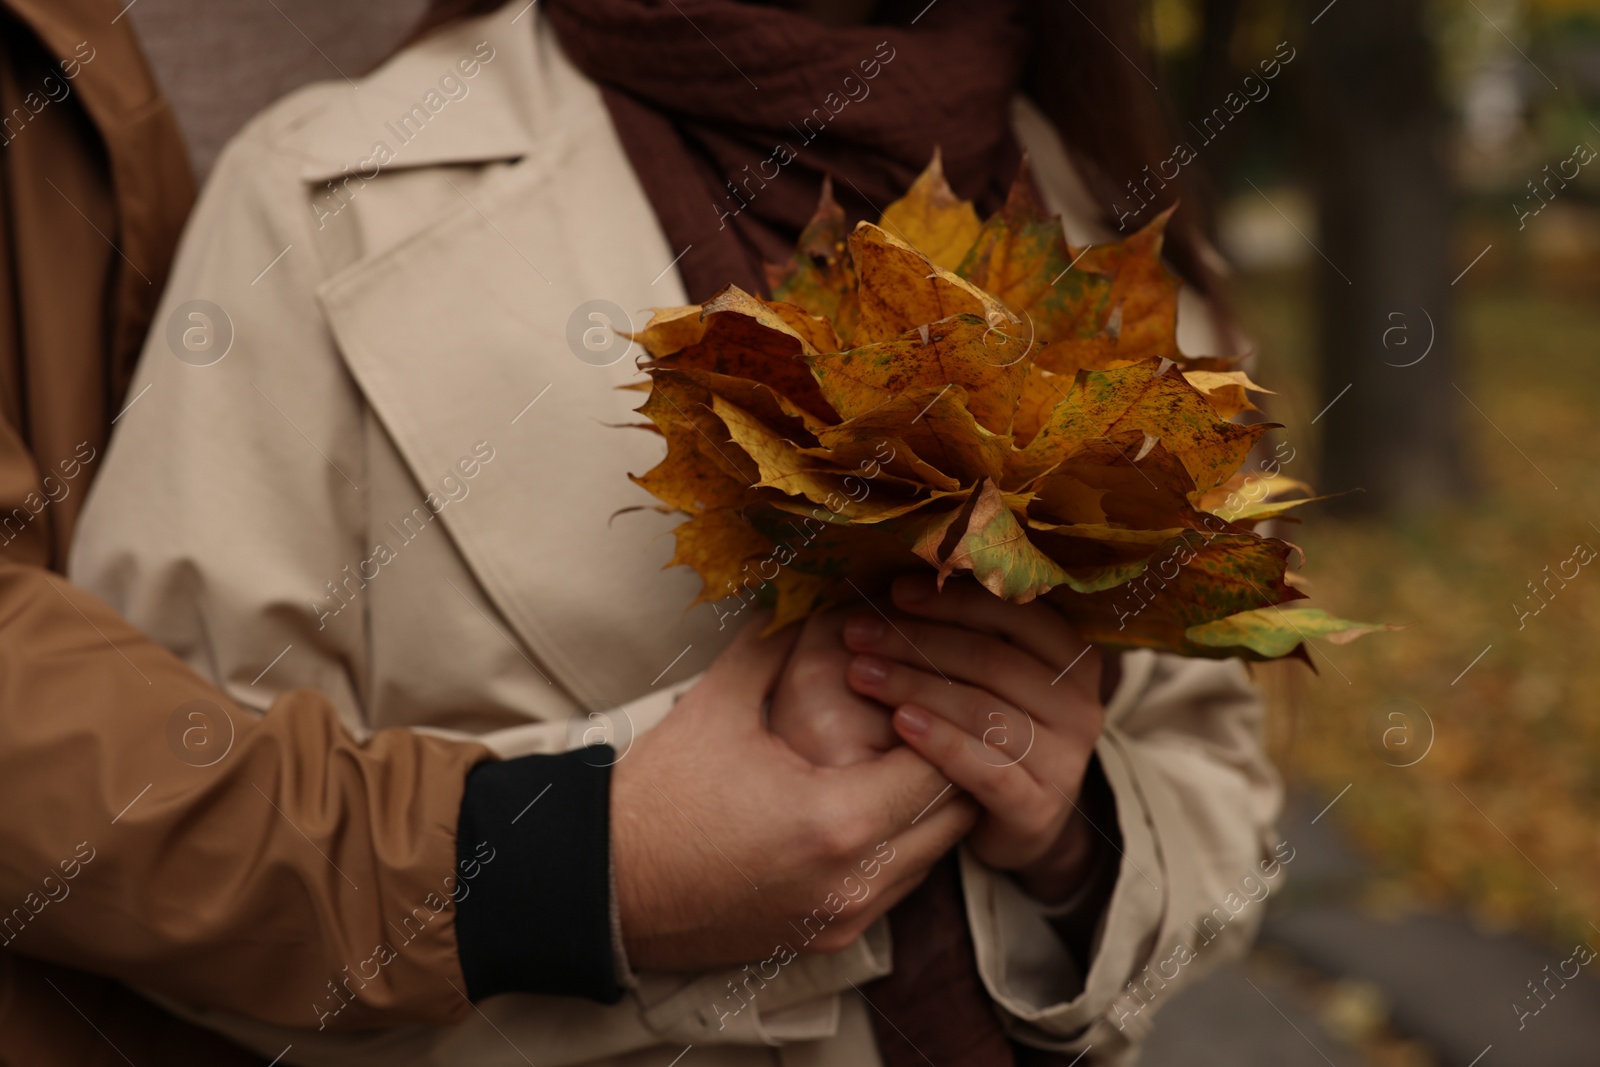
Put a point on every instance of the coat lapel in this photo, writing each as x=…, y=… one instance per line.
x=461, y=332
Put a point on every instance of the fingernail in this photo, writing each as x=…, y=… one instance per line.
x=913, y=589
x=863, y=629
x=911, y=720
x=869, y=669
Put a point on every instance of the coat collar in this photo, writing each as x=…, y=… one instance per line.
x=465, y=94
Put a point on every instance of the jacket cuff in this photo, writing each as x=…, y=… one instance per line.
x=1079, y=920
x=534, y=890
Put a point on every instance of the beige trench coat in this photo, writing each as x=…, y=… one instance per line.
x=368, y=459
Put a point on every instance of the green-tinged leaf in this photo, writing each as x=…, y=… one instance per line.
x=1269, y=509
x=1192, y=579
x=1021, y=256
x=984, y=538
x=1273, y=632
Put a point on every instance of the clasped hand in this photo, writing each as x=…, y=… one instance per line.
x=724, y=828
x=1002, y=699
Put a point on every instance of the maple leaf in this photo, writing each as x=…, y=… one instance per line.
x=1268, y=633
x=932, y=218
x=1225, y=389
x=979, y=397
x=901, y=289
x=820, y=278
x=962, y=350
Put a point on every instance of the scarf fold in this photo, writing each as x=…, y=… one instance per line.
x=731, y=114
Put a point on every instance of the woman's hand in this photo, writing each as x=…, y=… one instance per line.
x=814, y=710
x=1002, y=698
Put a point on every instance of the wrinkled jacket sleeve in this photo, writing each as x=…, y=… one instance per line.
x=234, y=495
x=180, y=844
x=262, y=883
x=1195, y=798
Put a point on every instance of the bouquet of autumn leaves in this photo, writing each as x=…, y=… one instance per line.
x=975, y=397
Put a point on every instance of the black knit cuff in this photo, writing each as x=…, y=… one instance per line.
x=533, y=890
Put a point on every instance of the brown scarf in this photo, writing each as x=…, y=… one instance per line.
x=731, y=114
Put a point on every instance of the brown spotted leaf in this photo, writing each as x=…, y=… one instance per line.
x=744, y=338
x=1144, y=398
x=962, y=351
x=901, y=289
x=1193, y=579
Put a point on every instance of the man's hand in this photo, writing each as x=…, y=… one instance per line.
x=724, y=837
x=1004, y=699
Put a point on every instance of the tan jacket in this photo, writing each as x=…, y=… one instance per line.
x=95, y=186
x=97, y=190
x=399, y=484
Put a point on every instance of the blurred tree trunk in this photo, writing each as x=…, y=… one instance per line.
x=1375, y=141
x=1215, y=78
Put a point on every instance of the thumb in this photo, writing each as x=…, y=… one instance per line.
x=895, y=788
x=747, y=671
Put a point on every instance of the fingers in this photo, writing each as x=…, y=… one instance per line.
x=815, y=712
x=897, y=865
x=973, y=709
x=1000, y=733
x=889, y=792
x=1035, y=627
x=743, y=676
x=920, y=846
x=1002, y=786
x=956, y=654
x=822, y=630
